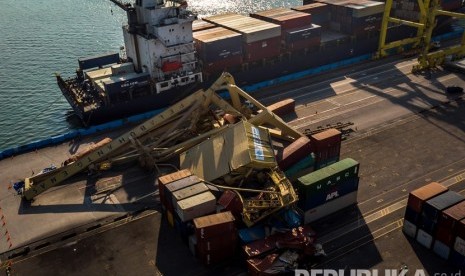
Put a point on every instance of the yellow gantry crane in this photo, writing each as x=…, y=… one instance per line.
x=429, y=9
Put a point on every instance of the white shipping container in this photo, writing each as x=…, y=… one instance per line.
x=424, y=238
x=459, y=246
x=441, y=250
x=330, y=207
x=409, y=229
x=188, y=192
x=196, y=206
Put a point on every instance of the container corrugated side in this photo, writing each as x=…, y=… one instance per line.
x=424, y=238
x=294, y=153
x=441, y=250
x=312, y=199
x=451, y=216
x=459, y=245
x=217, y=44
x=214, y=225
x=410, y=229
x=433, y=207
x=262, y=49
x=331, y=207
x=188, y=192
x=461, y=229
x=418, y=197
x=303, y=33
x=196, y=206
x=326, y=177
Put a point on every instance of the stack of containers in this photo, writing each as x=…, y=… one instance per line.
x=319, y=11
x=328, y=190
x=297, y=30
x=357, y=18
x=200, y=25
x=432, y=211
x=415, y=203
x=260, y=39
x=215, y=238
x=184, y=197
x=446, y=232
x=294, y=153
x=218, y=48
x=457, y=256
x=327, y=147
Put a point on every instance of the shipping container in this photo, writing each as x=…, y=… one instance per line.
x=308, y=45
x=314, y=199
x=428, y=225
x=122, y=68
x=231, y=202
x=252, y=29
x=171, y=187
x=215, y=225
x=301, y=168
x=319, y=11
x=217, y=44
x=166, y=179
x=222, y=64
x=457, y=259
x=258, y=266
x=330, y=207
x=283, y=107
x=326, y=162
x=98, y=74
x=98, y=61
x=196, y=206
x=211, y=258
x=433, y=207
x=418, y=197
x=293, y=153
x=189, y=191
x=452, y=216
x=121, y=83
x=424, y=238
x=326, y=178
x=410, y=229
x=441, y=249
x=286, y=18
x=183, y=228
x=461, y=229
x=445, y=235
x=307, y=32
x=193, y=245
x=411, y=215
x=226, y=241
x=262, y=49
x=459, y=245
x=200, y=25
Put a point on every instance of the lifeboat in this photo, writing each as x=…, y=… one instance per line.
x=171, y=66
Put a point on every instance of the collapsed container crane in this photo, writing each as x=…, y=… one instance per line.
x=173, y=129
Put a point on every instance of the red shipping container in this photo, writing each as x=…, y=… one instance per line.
x=222, y=64
x=230, y=201
x=445, y=236
x=418, y=197
x=262, y=49
x=326, y=144
x=293, y=153
x=283, y=107
x=226, y=241
x=215, y=225
x=304, y=44
x=461, y=229
x=166, y=179
x=452, y=216
x=214, y=257
x=257, y=267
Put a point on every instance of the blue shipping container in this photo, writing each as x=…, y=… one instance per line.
x=433, y=207
x=411, y=215
x=98, y=61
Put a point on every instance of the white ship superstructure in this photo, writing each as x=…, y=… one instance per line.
x=159, y=41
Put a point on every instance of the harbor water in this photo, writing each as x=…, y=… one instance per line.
x=39, y=38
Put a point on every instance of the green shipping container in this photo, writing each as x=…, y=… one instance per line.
x=327, y=177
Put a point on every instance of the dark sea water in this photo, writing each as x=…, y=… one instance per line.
x=41, y=37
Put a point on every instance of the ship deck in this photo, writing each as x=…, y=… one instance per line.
x=407, y=133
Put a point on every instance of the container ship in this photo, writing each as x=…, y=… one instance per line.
x=169, y=52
